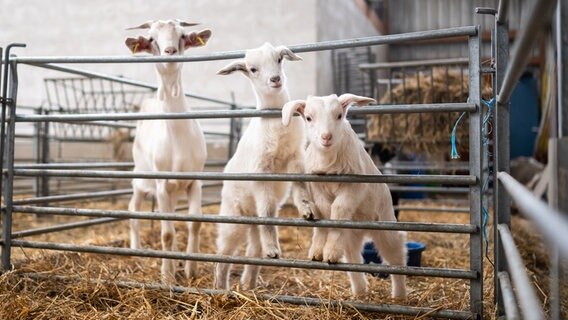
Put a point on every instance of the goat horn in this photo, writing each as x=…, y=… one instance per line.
x=145, y=25
x=186, y=24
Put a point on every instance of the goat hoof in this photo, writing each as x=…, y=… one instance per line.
x=308, y=210
x=332, y=256
x=273, y=253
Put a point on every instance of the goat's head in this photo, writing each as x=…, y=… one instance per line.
x=167, y=38
x=324, y=116
x=263, y=66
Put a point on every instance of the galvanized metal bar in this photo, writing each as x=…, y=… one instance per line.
x=309, y=47
x=37, y=146
x=247, y=113
x=91, y=165
x=419, y=166
x=486, y=10
x=475, y=169
x=354, y=178
x=509, y=302
x=364, y=225
x=562, y=66
x=295, y=300
x=132, y=82
x=3, y=87
x=9, y=176
x=502, y=11
x=540, y=16
x=413, y=63
x=552, y=223
x=45, y=155
x=501, y=140
x=445, y=190
x=62, y=227
x=428, y=209
x=4, y=99
x=75, y=196
x=528, y=300
x=87, y=195
x=555, y=283
x=288, y=263
x=74, y=165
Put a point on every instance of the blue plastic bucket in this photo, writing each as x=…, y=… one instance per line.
x=414, y=256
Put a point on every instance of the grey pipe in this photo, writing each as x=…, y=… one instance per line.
x=288, y=263
x=351, y=178
x=368, y=225
x=528, y=300
x=309, y=47
x=247, y=113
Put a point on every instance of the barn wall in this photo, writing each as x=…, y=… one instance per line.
x=411, y=15
x=340, y=19
x=59, y=27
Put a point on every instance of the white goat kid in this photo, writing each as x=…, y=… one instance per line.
x=168, y=145
x=266, y=147
x=334, y=148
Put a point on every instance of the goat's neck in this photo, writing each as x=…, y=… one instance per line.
x=272, y=100
x=170, y=91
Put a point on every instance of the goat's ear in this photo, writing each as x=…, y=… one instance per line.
x=348, y=99
x=199, y=39
x=139, y=44
x=238, y=65
x=287, y=53
x=291, y=107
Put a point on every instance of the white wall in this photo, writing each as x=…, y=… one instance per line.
x=96, y=27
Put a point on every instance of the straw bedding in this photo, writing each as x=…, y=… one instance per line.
x=427, y=133
x=23, y=297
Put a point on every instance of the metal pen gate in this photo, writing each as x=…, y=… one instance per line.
x=474, y=180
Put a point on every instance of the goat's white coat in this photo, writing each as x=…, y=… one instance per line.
x=334, y=148
x=265, y=147
x=168, y=145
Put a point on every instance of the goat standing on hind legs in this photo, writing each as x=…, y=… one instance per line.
x=168, y=145
x=334, y=148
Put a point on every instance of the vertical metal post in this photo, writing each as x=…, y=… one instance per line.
x=562, y=65
x=502, y=213
x=558, y=128
x=37, y=152
x=231, y=146
x=3, y=118
x=475, y=169
x=9, y=177
x=45, y=150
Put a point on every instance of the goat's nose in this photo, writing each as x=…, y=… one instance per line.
x=275, y=79
x=326, y=136
x=171, y=50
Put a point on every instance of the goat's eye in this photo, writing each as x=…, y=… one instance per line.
x=279, y=60
x=183, y=36
x=339, y=116
x=151, y=39
x=253, y=70
x=309, y=119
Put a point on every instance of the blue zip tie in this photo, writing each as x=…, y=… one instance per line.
x=455, y=154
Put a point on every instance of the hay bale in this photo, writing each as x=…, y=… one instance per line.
x=427, y=133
